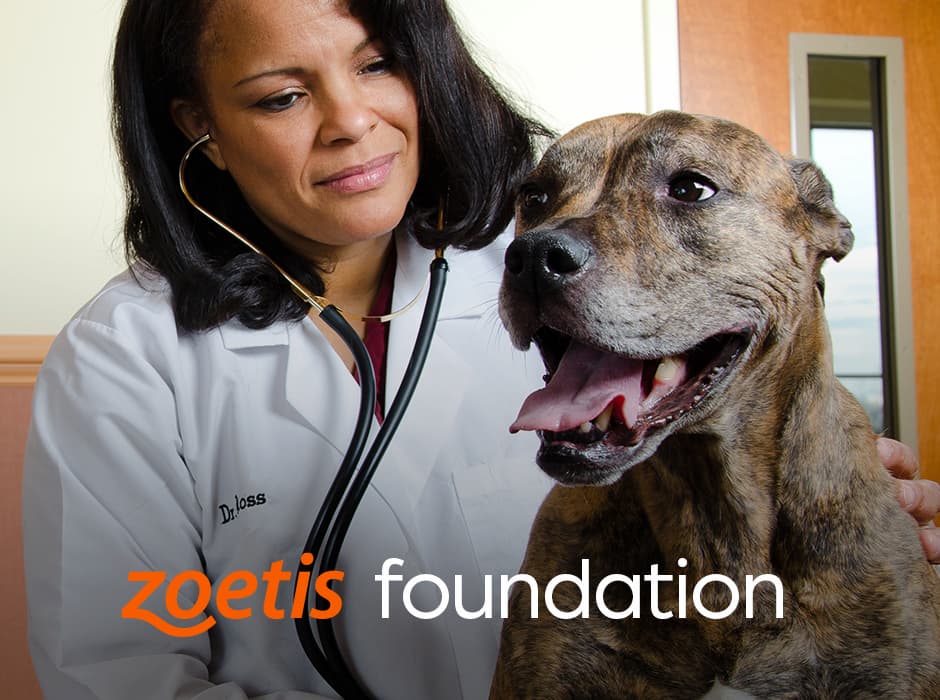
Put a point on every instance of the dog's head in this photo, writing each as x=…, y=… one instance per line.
x=653, y=255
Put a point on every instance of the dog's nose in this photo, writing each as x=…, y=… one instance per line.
x=546, y=258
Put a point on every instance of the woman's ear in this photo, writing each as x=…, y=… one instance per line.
x=192, y=121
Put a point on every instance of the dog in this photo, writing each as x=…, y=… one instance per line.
x=667, y=267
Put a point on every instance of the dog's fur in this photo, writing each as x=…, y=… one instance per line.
x=774, y=471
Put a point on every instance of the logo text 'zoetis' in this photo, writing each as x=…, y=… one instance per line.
x=236, y=586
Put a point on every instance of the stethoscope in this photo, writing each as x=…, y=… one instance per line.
x=352, y=479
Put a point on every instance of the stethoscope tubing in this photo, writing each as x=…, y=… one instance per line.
x=328, y=655
x=326, y=666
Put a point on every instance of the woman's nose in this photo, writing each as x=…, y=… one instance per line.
x=347, y=114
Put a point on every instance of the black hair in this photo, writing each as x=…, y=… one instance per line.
x=475, y=148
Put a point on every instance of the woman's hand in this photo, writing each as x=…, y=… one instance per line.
x=919, y=497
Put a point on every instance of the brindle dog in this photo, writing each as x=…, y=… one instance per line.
x=667, y=267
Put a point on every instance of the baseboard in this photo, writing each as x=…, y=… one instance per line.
x=20, y=358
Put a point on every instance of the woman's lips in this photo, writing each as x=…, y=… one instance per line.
x=360, y=178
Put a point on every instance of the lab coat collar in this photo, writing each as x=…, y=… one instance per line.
x=319, y=386
x=464, y=296
x=235, y=336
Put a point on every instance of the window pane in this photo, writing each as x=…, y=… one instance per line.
x=853, y=308
x=868, y=392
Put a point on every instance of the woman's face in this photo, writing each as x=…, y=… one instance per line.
x=306, y=112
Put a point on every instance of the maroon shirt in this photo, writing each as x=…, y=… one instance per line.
x=376, y=334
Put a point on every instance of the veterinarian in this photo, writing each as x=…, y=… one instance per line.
x=189, y=420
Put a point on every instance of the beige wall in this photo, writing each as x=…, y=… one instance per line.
x=734, y=63
x=573, y=62
x=61, y=198
x=62, y=203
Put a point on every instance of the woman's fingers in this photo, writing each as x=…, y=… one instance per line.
x=898, y=458
x=930, y=541
x=920, y=498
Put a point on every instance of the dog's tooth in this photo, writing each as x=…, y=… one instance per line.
x=586, y=427
x=668, y=367
x=603, y=420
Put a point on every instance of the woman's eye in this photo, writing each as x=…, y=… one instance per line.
x=280, y=102
x=691, y=188
x=377, y=66
x=532, y=197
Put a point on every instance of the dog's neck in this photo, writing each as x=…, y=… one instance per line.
x=784, y=442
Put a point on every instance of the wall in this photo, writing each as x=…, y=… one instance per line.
x=734, y=63
x=62, y=200
x=571, y=66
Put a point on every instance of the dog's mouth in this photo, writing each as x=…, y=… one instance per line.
x=595, y=401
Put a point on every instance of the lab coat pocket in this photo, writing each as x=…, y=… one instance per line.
x=499, y=502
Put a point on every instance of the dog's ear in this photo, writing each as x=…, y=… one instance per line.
x=833, y=232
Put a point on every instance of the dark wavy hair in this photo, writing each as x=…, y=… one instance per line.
x=475, y=147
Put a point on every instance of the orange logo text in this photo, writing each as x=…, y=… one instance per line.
x=234, y=587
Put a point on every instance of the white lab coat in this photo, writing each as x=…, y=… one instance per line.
x=140, y=436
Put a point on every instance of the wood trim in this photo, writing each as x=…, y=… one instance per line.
x=20, y=358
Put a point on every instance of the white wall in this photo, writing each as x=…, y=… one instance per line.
x=61, y=208
x=573, y=61
x=61, y=194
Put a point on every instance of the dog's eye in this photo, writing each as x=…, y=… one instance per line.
x=532, y=197
x=691, y=188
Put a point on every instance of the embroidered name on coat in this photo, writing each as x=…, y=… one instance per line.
x=240, y=504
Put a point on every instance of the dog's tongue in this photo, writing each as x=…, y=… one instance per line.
x=584, y=384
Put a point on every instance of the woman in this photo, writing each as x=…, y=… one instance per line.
x=191, y=417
